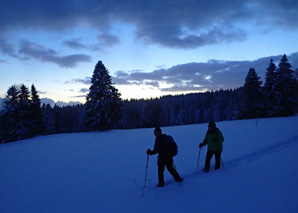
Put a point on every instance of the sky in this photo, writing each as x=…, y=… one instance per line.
x=151, y=48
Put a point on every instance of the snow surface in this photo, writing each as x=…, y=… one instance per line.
x=104, y=171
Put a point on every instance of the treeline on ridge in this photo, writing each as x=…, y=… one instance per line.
x=24, y=116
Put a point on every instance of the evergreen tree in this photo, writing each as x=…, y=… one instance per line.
x=252, y=97
x=285, y=85
x=295, y=90
x=10, y=114
x=182, y=117
x=270, y=76
x=48, y=119
x=24, y=113
x=37, y=123
x=269, y=89
x=103, y=103
x=296, y=74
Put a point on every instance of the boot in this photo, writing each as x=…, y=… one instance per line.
x=161, y=184
x=217, y=167
x=206, y=168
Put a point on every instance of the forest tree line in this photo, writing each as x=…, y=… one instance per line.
x=24, y=116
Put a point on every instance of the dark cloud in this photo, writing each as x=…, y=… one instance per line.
x=104, y=40
x=6, y=48
x=107, y=39
x=75, y=43
x=84, y=90
x=171, y=23
x=30, y=50
x=212, y=75
x=86, y=81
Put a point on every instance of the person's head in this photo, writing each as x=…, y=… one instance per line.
x=211, y=125
x=157, y=131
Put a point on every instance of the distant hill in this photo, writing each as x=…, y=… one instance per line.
x=58, y=103
x=1, y=103
x=47, y=101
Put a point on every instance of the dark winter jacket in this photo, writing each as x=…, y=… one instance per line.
x=214, y=140
x=162, y=148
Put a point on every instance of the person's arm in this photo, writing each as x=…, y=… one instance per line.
x=204, y=142
x=220, y=137
x=154, y=151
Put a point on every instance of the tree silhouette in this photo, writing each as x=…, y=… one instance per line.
x=103, y=103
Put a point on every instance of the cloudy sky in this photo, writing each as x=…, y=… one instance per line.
x=151, y=48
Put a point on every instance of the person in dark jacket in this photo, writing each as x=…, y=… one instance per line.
x=164, y=157
x=214, y=139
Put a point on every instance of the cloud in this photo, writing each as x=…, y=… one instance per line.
x=84, y=90
x=196, y=77
x=86, y=81
x=212, y=75
x=171, y=23
x=6, y=48
x=75, y=43
x=29, y=50
x=107, y=39
x=103, y=41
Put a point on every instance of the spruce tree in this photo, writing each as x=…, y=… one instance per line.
x=24, y=113
x=269, y=89
x=103, y=103
x=36, y=116
x=10, y=116
x=252, y=97
x=270, y=76
x=48, y=119
x=285, y=84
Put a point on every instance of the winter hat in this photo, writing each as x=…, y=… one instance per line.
x=211, y=123
x=157, y=129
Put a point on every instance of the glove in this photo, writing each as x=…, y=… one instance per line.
x=149, y=152
x=201, y=145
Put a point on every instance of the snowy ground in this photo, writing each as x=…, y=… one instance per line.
x=100, y=171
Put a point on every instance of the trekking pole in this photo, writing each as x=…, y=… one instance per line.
x=199, y=157
x=221, y=160
x=146, y=171
x=222, y=163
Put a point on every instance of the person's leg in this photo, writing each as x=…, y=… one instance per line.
x=173, y=171
x=161, y=169
x=217, y=160
x=208, y=159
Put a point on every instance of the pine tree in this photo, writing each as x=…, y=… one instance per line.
x=48, y=119
x=270, y=76
x=24, y=113
x=252, y=97
x=103, y=103
x=285, y=85
x=10, y=114
x=269, y=89
x=296, y=74
x=36, y=116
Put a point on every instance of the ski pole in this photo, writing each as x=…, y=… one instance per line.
x=146, y=170
x=199, y=158
x=222, y=163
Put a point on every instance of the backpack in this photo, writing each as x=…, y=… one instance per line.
x=173, y=148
